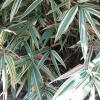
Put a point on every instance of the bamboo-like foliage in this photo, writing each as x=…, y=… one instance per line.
x=33, y=33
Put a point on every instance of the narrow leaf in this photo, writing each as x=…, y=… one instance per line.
x=91, y=22
x=94, y=12
x=33, y=32
x=58, y=58
x=36, y=81
x=31, y=7
x=57, y=7
x=6, y=3
x=81, y=1
x=15, y=8
x=29, y=81
x=28, y=50
x=47, y=34
x=40, y=51
x=46, y=70
x=4, y=78
x=55, y=63
x=43, y=59
x=11, y=66
x=83, y=33
x=67, y=87
x=66, y=21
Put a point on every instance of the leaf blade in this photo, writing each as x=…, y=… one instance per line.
x=58, y=58
x=83, y=33
x=91, y=22
x=66, y=21
x=15, y=8
x=31, y=7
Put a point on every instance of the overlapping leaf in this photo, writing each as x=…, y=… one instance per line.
x=31, y=7
x=66, y=88
x=15, y=8
x=6, y=3
x=4, y=78
x=91, y=22
x=11, y=67
x=83, y=33
x=33, y=33
x=55, y=54
x=66, y=21
x=36, y=81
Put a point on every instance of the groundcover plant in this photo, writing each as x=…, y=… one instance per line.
x=50, y=49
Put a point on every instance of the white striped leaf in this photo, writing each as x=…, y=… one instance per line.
x=36, y=81
x=4, y=78
x=11, y=67
x=81, y=1
x=66, y=21
x=33, y=33
x=31, y=7
x=55, y=54
x=15, y=8
x=65, y=91
x=6, y=3
x=43, y=59
x=91, y=22
x=94, y=12
x=83, y=33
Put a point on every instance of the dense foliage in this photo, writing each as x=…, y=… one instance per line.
x=50, y=49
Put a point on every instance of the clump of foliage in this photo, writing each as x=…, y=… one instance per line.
x=40, y=43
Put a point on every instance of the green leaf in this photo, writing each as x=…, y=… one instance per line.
x=6, y=3
x=76, y=70
x=54, y=14
x=46, y=70
x=36, y=81
x=92, y=93
x=22, y=61
x=4, y=78
x=66, y=21
x=83, y=91
x=46, y=35
x=15, y=45
x=83, y=33
x=97, y=85
x=90, y=53
x=81, y=1
x=42, y=50
x=43, y=59
x=66, y=87
x=55, y=63
x=28, y=50
x=33, y=33
x=49, y=95
x=51, y=90
x=18, y=24
x=15, y=8
x=29, y=81
x=55, y=54
x=93, y=11
x=25, y=67
x=90, y=5
x=33, y=96
x=91, y=22
x=11, y=67
x=95, y=61
x=31, y=7
x=21, y=87
x=57, y=7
